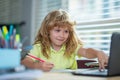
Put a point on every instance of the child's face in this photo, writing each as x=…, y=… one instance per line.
x=58, y=36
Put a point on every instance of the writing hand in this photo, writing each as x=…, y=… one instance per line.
x=45, y=66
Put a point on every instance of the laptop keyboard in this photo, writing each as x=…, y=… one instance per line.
x=91, y=72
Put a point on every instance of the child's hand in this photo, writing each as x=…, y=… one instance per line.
x=44, y=66
x=47, y=66
x=102, y=59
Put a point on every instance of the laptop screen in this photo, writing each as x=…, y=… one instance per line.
x=114, y=64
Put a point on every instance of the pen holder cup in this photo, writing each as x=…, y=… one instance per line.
x=9, y=58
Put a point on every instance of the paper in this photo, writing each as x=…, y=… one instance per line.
x=63, y=70
x=92, y=64
x=27, y=74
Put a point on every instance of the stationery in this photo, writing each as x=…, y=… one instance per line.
x=36, y=58
x=9, y=38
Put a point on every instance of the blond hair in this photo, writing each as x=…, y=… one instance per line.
x=58, y=18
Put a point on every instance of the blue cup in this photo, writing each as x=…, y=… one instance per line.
x=9, y=58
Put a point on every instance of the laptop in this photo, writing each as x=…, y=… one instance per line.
x=113, y=67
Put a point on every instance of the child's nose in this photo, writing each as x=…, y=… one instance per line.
x=62, y=34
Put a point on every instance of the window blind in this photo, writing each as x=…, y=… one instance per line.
x=98, y=36
x=96, y=21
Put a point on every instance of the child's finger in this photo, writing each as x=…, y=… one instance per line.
x=101, y=65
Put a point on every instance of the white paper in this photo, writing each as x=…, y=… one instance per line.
x=28, y=74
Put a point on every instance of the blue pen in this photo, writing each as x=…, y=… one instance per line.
x=11, y=30
x=11, y=36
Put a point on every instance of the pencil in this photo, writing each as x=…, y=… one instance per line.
x=36, y=58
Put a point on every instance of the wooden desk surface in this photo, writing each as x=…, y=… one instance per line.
x=69, y=76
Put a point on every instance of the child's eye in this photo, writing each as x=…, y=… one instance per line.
x=57, y=30
x=66, y=31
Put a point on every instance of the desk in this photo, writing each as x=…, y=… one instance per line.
x=69, y=76
x=39, y=75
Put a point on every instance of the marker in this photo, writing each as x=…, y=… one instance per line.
x=5, y=32
x=36, y=58
x=11, y=30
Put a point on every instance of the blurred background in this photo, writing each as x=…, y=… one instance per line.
x=96, y=19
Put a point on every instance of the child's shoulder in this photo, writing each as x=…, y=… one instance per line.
x=37, y=45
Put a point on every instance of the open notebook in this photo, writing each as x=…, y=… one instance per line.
x=113, y=63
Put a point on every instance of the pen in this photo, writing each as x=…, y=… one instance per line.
x=36, y=58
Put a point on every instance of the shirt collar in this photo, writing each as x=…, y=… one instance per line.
x=61, y=49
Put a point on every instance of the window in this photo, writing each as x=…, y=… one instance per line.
x=96, y=24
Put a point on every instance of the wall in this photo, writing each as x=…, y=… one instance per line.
x=17, y=11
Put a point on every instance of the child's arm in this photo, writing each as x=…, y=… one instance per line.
x=92, y=53
x=29, y=63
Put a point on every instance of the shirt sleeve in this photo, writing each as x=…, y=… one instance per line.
x=76, y=51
